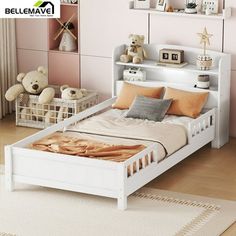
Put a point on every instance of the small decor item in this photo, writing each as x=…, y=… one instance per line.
x=161, y=5
x=210, y=6
x=172, y=56
x=204, y=61
x=170, y=9
x=68, y=40
x=73, y=1
x=203, y=82
x=141, y=4
x=191, y=7
x=135, y=53
x=134, y=74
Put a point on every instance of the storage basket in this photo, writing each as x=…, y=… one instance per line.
x=29, y=113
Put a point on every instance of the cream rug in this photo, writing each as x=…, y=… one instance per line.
x=36, y=211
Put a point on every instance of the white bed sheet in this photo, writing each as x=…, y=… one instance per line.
x=171, y=119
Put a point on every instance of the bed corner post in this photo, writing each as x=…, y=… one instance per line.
x=8, y=169
x=122, y=198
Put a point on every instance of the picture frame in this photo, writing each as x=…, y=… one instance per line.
x=161, y=5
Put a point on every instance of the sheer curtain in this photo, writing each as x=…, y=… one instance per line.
x=8, y=63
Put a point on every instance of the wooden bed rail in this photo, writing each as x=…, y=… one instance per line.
x=204, y=122
x=141, y=160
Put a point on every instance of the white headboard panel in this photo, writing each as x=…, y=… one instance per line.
x=184, y=78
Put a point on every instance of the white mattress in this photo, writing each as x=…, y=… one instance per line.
x=115, y=113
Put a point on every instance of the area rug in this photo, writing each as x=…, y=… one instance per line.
x=37, y=211
x=6, y=234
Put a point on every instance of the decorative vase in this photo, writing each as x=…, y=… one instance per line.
x=204, y=62
x=203, y=82
x=191, y=10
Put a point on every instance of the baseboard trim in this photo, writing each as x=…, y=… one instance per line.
x=2, y=169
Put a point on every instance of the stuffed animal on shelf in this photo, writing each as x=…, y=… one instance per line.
x=34, y=82
x=135, y=53
x=67, y=93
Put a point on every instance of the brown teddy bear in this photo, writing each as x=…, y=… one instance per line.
x=135, y=52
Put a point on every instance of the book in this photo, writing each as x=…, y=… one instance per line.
x=172, y=65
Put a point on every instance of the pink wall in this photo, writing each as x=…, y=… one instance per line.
x=230, y=47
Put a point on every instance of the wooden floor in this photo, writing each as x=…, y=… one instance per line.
x=208, y=172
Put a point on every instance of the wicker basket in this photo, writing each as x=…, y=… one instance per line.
x=29, y=113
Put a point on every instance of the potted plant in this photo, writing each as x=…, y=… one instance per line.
x=191, y=7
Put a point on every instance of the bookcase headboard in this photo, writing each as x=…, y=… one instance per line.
x=184, y=78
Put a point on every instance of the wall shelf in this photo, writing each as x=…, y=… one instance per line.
x=226, y=13
x=152, y=64
x=63, y=65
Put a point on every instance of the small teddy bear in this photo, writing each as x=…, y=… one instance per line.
x=72, y=93
x=135, y=53
x=67, y=93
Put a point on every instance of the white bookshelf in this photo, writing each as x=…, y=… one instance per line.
x=185, y=77
x=226, y=13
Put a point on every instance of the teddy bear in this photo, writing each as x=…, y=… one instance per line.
x=34, y=82
x=135, y=52
x=67, y=93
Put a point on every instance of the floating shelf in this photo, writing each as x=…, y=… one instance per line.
x=151, y=64
x=226, y=13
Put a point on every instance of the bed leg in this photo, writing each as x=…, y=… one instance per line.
x=122, y=203
x=9, y=184
x=122, y=197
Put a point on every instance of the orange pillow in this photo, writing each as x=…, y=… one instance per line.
x=185, y=103
x=130, y=91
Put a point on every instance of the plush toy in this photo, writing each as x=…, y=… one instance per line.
x=135, y=52
x=67, y=93
x=34, y=82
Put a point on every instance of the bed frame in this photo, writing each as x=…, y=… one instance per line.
x=99, y=177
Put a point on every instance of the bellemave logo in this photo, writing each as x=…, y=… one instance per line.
x=39, y=9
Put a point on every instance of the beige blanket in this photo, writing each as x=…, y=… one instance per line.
x=65, y=144
x=171, y=136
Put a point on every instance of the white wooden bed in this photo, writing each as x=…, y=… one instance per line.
x=99, y=177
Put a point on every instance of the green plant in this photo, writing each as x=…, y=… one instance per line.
x=191, y=5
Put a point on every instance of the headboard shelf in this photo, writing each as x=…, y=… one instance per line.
x=184, y=78
x=152, y=64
